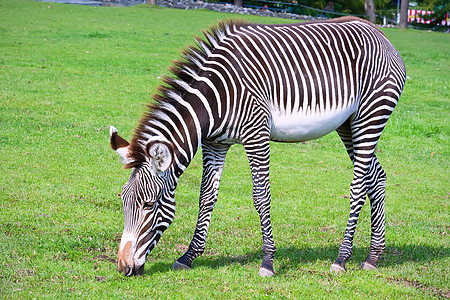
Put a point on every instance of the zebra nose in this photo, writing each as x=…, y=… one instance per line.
x=131, y=270
x=127, y=271
x=125, y=260
x=123, y=268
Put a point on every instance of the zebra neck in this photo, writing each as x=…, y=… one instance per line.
x=176, y=122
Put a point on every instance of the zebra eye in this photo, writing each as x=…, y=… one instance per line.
x=147, y=205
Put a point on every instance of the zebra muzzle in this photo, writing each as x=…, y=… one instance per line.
x=131, y=270
x=125, y=262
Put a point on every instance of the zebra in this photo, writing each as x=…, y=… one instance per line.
x=250, y=84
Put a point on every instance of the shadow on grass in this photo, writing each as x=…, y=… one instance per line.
x=292, y=258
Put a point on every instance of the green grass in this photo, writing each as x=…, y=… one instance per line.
x=68, y=72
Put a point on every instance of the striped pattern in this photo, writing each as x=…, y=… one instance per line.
x=249, y=84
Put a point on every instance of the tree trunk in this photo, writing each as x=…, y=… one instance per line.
x=404, y=14
x=238, y=2
x=370, y=10
x=151, y=2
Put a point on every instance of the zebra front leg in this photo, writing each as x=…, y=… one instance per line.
x=259, y=157
x=198, y=242
x=213, y=161
x=376, y=193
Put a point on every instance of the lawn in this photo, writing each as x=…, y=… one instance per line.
x=68, y=72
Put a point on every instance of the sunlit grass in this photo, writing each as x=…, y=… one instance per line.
x=68, y=72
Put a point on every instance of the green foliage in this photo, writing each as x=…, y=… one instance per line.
x=68, y=72
x=355, y=7
x=440, y=10
x=434, y=5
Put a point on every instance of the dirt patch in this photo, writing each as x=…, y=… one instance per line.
x=181, y=248
x=103, y=257
x=100, y=278
x=331, y=228
x=442, y=293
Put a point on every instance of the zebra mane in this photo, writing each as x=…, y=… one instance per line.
x=184, y=71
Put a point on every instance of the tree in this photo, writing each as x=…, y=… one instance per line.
x=238, y=2
x=404, y=14
x=370, y=10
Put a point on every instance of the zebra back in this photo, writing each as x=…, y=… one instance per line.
x=305, y=69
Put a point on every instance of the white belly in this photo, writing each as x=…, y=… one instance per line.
x=306, y=125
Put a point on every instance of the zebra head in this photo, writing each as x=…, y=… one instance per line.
x=148, y=201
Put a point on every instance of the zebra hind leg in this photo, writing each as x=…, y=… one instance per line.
x=369, y=179
x=357, y=200
x=376, y=192
x=213, y=161
x=345, y=133
x=361, y=153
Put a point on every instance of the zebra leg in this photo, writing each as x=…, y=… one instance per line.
x=361, y=156
x=258, y=153
x=345, y=133
x=357, y=200
x=360, y=137
x=376, y=192
x=213, y=161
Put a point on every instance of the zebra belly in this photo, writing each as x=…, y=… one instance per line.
x=306, y=125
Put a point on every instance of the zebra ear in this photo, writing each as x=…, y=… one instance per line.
x=161, y=154
x=120, y=145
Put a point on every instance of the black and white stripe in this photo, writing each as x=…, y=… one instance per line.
x=249, y=84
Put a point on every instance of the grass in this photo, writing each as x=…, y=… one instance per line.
x=68, y=72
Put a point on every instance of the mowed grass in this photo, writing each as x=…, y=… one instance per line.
x=68, y=72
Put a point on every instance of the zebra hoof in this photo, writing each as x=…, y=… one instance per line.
x=179, y=266
x=263, y=272
x=366, y=266
x=337, y=269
